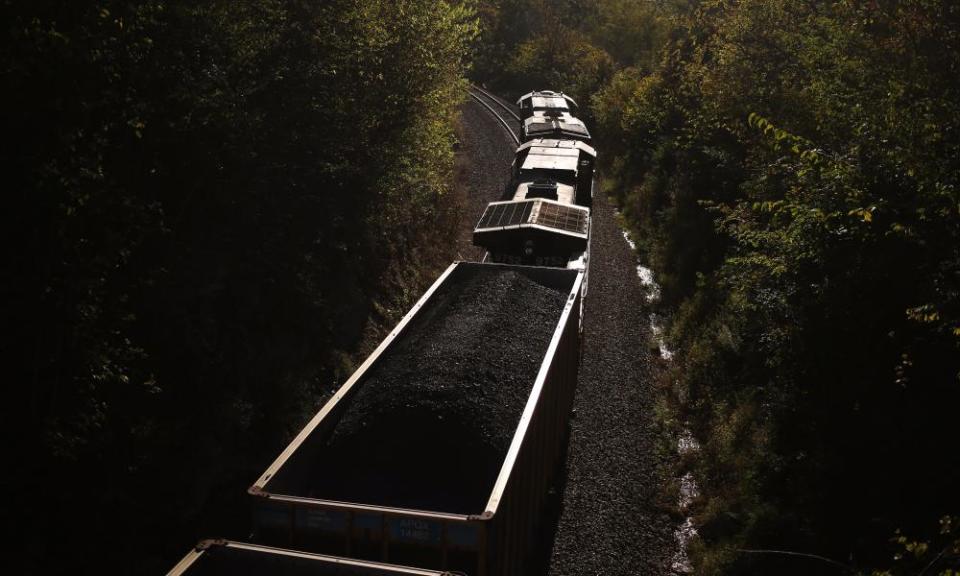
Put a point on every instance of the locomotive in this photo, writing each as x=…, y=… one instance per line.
x=545, y=101
x=549, y=114
x=545, y=220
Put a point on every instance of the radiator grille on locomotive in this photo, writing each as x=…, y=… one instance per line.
x=562, y=218
x=537, y=212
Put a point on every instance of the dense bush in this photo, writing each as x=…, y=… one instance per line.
x=574, y=46
x=792, y=169
x=209, y=206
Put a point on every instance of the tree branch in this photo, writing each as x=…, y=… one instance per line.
x=847, y=568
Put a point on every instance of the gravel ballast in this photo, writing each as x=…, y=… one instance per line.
x=433, y=419
x=482, y=170
x=610, y=521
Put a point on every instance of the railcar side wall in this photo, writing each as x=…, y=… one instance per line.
x=517, y=525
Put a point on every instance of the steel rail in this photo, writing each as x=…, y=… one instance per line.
x=503, y=122
x=496, y=99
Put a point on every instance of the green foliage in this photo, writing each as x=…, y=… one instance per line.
x=573, y=45
x=212, y=206
x=563, y=60
x=939, y=554
x=633, y=33
x=791, y=171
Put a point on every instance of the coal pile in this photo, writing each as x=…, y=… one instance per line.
x=432, y=421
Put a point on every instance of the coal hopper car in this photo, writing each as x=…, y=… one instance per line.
x=437, y=456
x=440, y=450
x=227, y=558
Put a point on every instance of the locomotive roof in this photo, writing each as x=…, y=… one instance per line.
x=583, y=147
x=548, y=99
x=544, y=158
x=566, y=194
x=543, y=102
x=565, y=124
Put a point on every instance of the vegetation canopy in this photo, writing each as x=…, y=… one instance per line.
x=790, y=172
x=215, y=207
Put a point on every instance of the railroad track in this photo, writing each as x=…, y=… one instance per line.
x=497, y=99
x=485, y=99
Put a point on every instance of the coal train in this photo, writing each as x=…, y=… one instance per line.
x=439, y=454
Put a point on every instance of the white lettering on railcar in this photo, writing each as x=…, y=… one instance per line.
x=414, y=529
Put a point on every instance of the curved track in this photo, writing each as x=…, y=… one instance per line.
x=499, y=101
x=492, y=103
x=484, y=98
x=483, y=161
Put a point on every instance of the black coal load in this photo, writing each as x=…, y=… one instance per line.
x=431, y=423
